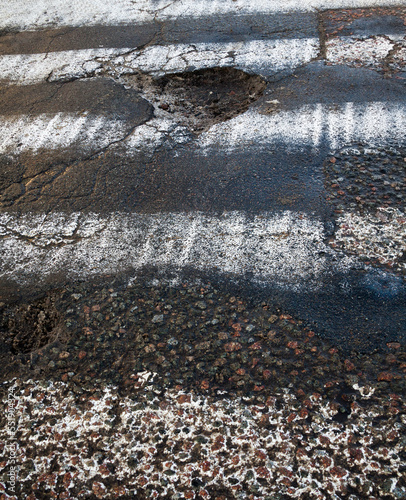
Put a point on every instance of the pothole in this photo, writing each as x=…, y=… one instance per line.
x=200, y=99
x=28, y=327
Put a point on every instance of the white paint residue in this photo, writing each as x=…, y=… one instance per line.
x=286, y=248
x=399, y=58
x=27, y=69
x=258, y=56
x=46, y=131
x=373, y=122
x=376, y=123
x=151, y=440
x=381, y=236
x=369, y=51
x=55, y=13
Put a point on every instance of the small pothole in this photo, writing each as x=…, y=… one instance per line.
x=200, y=99
x=28, y=327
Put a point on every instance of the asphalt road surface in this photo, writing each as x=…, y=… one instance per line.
x=186, y=172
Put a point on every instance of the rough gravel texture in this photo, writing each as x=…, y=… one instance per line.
x=98, y=444
x=189, y=390
x=162, y=391
x=367, y=188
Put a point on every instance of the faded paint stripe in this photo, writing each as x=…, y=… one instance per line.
x=14, y=14
x=24, y=133
x=371, y=51
x=258, y=56
x=375, y=123
x=288, y=249
x=34, y=68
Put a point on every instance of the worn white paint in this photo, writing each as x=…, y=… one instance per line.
x=287, y=249
x=367, y=51
x=257, y=56
x=375, y=123
x=28, y=69
x=54, y=131
x=379, y=237
x=339, y=124
x=156, y=132
x=128, y=427
x=53, y=13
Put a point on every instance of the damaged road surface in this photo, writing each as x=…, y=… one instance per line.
x=202, y=219
x=217, y=170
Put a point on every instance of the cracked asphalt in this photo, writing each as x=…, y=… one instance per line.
x=192, y=198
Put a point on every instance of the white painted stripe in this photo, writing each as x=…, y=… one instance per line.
x=375, y=123
x=369, y=51
x=259, y=56
x=287, y=249
x=23, y=133
x=256, y=56
x=28, y=69
x=54, y=13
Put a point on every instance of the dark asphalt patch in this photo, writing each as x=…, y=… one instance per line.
x=360, y=310
x=98, y=96
x=364, y=23
x=205, y=29
x=277, y=179
x=317, y=83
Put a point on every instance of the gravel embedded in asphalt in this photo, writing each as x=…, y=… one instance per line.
x=196, y=390
x=367, y=188
x=362, y=179
x=196, y=336
x=97, y=443
x=156, y=390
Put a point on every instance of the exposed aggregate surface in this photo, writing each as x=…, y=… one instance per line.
x=158, y=391
x=179, y=445
x=373, y=38
x=367, y=188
